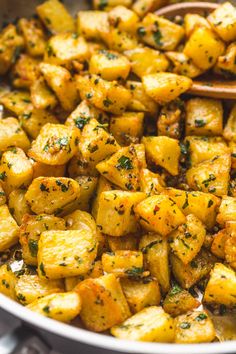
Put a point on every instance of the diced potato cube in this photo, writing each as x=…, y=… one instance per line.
x=118, y=206
x=195, y=327
x=125, y=19
x=30, y=230
x=55, y=16
x=66, y=253
x=140, y=101
x=62, y=83
x=122, y=168
x=106, y=95
x=43, y=170
x=62, y=307
x=7, y=281
x=41, y=95
x=204, y=116
x=50, y=195
x=35, y=39
x=151, y=183
x=103, y=185
x=183, y=65
x=218, y=244
x=10, y=44
x=25, y=71
x=202, y=205
x=159, y=214
x=152, y=324
x=15, y=170
x=146, y=61
x=83, y=113
x=229, y=132
x=142, y=7
x=2, y=196
x=81, y=220
x=9, y=230
x=165, y=87
x=189, y=274
x=93, y=24
x=109, y=65
x=141, y=293
x=18, y=205
x=155, y=250
x=96, y=143
x=204, y=48
x=101, y=5
x=227, y=210
x=123, y=263
x=103, y=303
x=226, y=64
x=127, y=242
x=159, y=32
x=188, y=239
x=127, y=128
x=16, y=101
x=87, y=189
x=55, y=145
x=163, y=151
x=230, y=244
x=29, y=288
x=193, y=21
x=11, y=134
x=169, y=122
x=205, y=148
x=211, y=176
x=223, y=21
x=232, y=146
x=120, y=41
x=179, y=301
x=79, y=166
x=221, y=288
x=65, y=47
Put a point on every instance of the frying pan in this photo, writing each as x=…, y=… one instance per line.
x=72, y=339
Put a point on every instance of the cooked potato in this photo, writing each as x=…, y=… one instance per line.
x=62, y=307
x=127, y=242
x=62, y=84
x=65, y=47
x=149, y=325
x=194, y=21
x=93, y=24
x=9, y=230
x=31, y=228
x=140, y=101
x=66, y=253
x=10, y=44
x=169, y=122
x=221, y=287
x=125, y=19
x=141, y=293
x=43, y=170
x=163, y=151
x=230, y=245
x=100, y=5
x=120, y=41
x=41, y=95
x=202, y=205
x=223, y=21
x=159, y=214
x=103, y=303
x=218, y=244
x=16, y=102
x=118, y=206
x=230, y=127
x=15, y=170
x=188, y=239
x=122, y=168
x=55, y=16
x=227, y=210
x=155, y=250
x=2, y=196
x=87, y=189
x=18, y=205
x=211, y=175
x=109, y=65
x=204, y=116
x=55, y=144
x=189, y=274
x=141, y=7
x=226, y=63
x=195, y=327
x=103, y=94
x=29, y=288
x=7, y=281
x=165, y=87
x=179, y=301
x=183, y=65
x=160, y=33
x=151, y=183
x=123, y=263
x=145, y=61
x=204, y=48
x=102, y=186
x=34, y=36
x=11, y=134
x=25, y=71
x=205, y=148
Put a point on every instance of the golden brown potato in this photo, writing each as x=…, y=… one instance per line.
x=151, y=183
x=127, y=242
x=11, y=134
x=123, y=263
x=93, y=24
x=42, y=170
x=230, y=127
x=120, y=41
x=183, y=65
x=41, y=95
x=226, y=64
x=34, y=36
x=7, y=281
x=16, y=102
x=9, y=230
x=87, y=189
x=18, y=205
x=140, y=101
x=25, y=71
x=141, y=7
x=227, y=210
x=125, y=19
x=194, y=21
x=218, y=244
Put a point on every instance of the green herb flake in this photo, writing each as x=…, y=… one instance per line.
x=199, y=123
x=185, y=325
x=124, y=163
x=41, y=267
x=201, y=317
x=46, y=309
x=33, y=247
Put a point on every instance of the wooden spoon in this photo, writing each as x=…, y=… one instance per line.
x=209, y=88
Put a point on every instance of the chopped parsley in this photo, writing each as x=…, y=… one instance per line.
x=124, y=163
x=185, y=325
x=80, y=122
x=157, y=36
x=64, y=187
x=141, y=31
x=33, y=247
x=201, y=317
x=199, y=123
